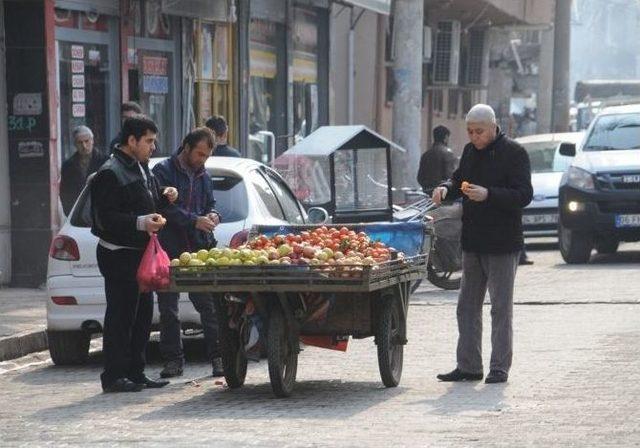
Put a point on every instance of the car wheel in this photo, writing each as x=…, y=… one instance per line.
x=607, y=246
x=575, y=245
x=68, y=347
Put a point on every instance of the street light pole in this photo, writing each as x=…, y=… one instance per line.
x=561, y=73
x=407, y=99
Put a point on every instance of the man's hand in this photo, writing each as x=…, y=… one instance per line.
x=476, y=193
x=153, y=222
x=214, y=217
x=205, y=224
x=438, y=195
x=171, y=193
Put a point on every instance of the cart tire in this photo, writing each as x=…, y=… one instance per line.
x=390, y=353
x=283, y=360
x=234, y=360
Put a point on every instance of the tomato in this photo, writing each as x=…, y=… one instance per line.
x=344, y=231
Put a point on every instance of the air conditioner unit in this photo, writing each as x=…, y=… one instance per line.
x=446, y=58
x=426, y=44
x=477, y=58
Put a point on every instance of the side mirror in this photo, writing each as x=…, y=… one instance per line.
x=568, y=149
x=317, y=215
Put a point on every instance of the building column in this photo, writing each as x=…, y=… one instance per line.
x=545, y=82
x=561, y=73
x=5, y=202
x=407, y=99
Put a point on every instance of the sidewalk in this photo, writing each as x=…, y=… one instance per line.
x=22, y=322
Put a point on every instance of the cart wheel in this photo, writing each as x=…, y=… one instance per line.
x=234, y=360
x=390, y=353
x=283, y=360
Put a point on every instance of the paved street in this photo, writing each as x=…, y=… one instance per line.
x=575, y=382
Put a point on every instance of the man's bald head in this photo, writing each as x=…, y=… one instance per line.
x=481, y=125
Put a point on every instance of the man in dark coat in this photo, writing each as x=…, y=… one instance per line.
x=190, y=224
x=438, y=163
x=125, y=199
x=494, y=180
x=75, y=170
x=221, y=130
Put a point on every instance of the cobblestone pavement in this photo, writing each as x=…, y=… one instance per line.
x=575, y=382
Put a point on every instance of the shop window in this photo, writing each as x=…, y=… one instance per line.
x=147, y=19
x=452, y=107
x=214, y=88
x=438, y=101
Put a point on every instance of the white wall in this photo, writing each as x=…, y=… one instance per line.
x=5, y=200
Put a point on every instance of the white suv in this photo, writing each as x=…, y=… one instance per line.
x=246, y=193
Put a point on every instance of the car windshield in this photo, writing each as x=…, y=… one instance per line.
x=229, y=191
x=541, y=156
x=614, y=132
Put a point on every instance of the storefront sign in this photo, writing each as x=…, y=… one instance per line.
x=77, y=51
x=27, y=104
x=154, y=65
x=30, y=149
x=78, y=110
x=77, y=66
x=155, y=84
x=78, y=95
x=77, y=81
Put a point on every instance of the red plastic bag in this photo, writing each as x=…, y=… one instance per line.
x=153, y=272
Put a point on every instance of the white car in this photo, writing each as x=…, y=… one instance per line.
x=246, y=192
x=540, y=217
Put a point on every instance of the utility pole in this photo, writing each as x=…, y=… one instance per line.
x=407, y=99
x=561, y=74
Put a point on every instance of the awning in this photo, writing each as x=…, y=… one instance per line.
x=198, y=9
x=379, y=6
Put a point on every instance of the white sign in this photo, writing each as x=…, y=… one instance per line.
x=77, y=51
x=30, y=149
x=27, y=104
x=77, y=81
x=78, y=110
x=78, y=95
x=77, y=66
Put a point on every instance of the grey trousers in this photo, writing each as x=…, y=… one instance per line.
x=479, y=273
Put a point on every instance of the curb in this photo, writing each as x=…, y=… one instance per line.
x=22, y=344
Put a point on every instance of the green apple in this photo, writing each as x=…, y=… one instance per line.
x=203, y=254
x=184, y=258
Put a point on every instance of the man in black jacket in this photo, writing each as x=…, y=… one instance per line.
x=125, y=198
x=221, y=130
x=494, y=180
x=75, y=170
x=438, y=163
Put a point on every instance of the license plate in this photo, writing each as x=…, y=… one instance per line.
x=631, y=179
x=550, y=218
x=627, y=220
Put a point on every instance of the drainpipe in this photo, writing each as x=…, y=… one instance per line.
x=5, y=200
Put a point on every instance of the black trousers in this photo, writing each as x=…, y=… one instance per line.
x=127, y=320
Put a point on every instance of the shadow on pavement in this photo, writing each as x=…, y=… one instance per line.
x=466, y=397
x=310, y=400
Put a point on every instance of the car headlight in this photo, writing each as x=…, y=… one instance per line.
x=579, y=178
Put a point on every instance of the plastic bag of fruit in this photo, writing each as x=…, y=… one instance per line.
x=153, y=272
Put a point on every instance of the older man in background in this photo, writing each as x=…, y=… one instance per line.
x=494, y=180
x=75, y=170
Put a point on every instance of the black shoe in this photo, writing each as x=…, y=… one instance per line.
x=123, y=385
x=147, y=382
x=217, y=367
x=458, y=375
x=525, y=262
x=171, y=369
x=496, y=376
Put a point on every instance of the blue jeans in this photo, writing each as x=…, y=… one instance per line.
x=170, y=328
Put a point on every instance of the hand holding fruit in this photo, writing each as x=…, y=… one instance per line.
x=214, y=217
x=171, y=193
x=438, y=195
x=153, y=222
x=474, y=192
x=205, y=224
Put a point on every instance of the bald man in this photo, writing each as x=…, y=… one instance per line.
x=494, y=181
x=75, y=170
